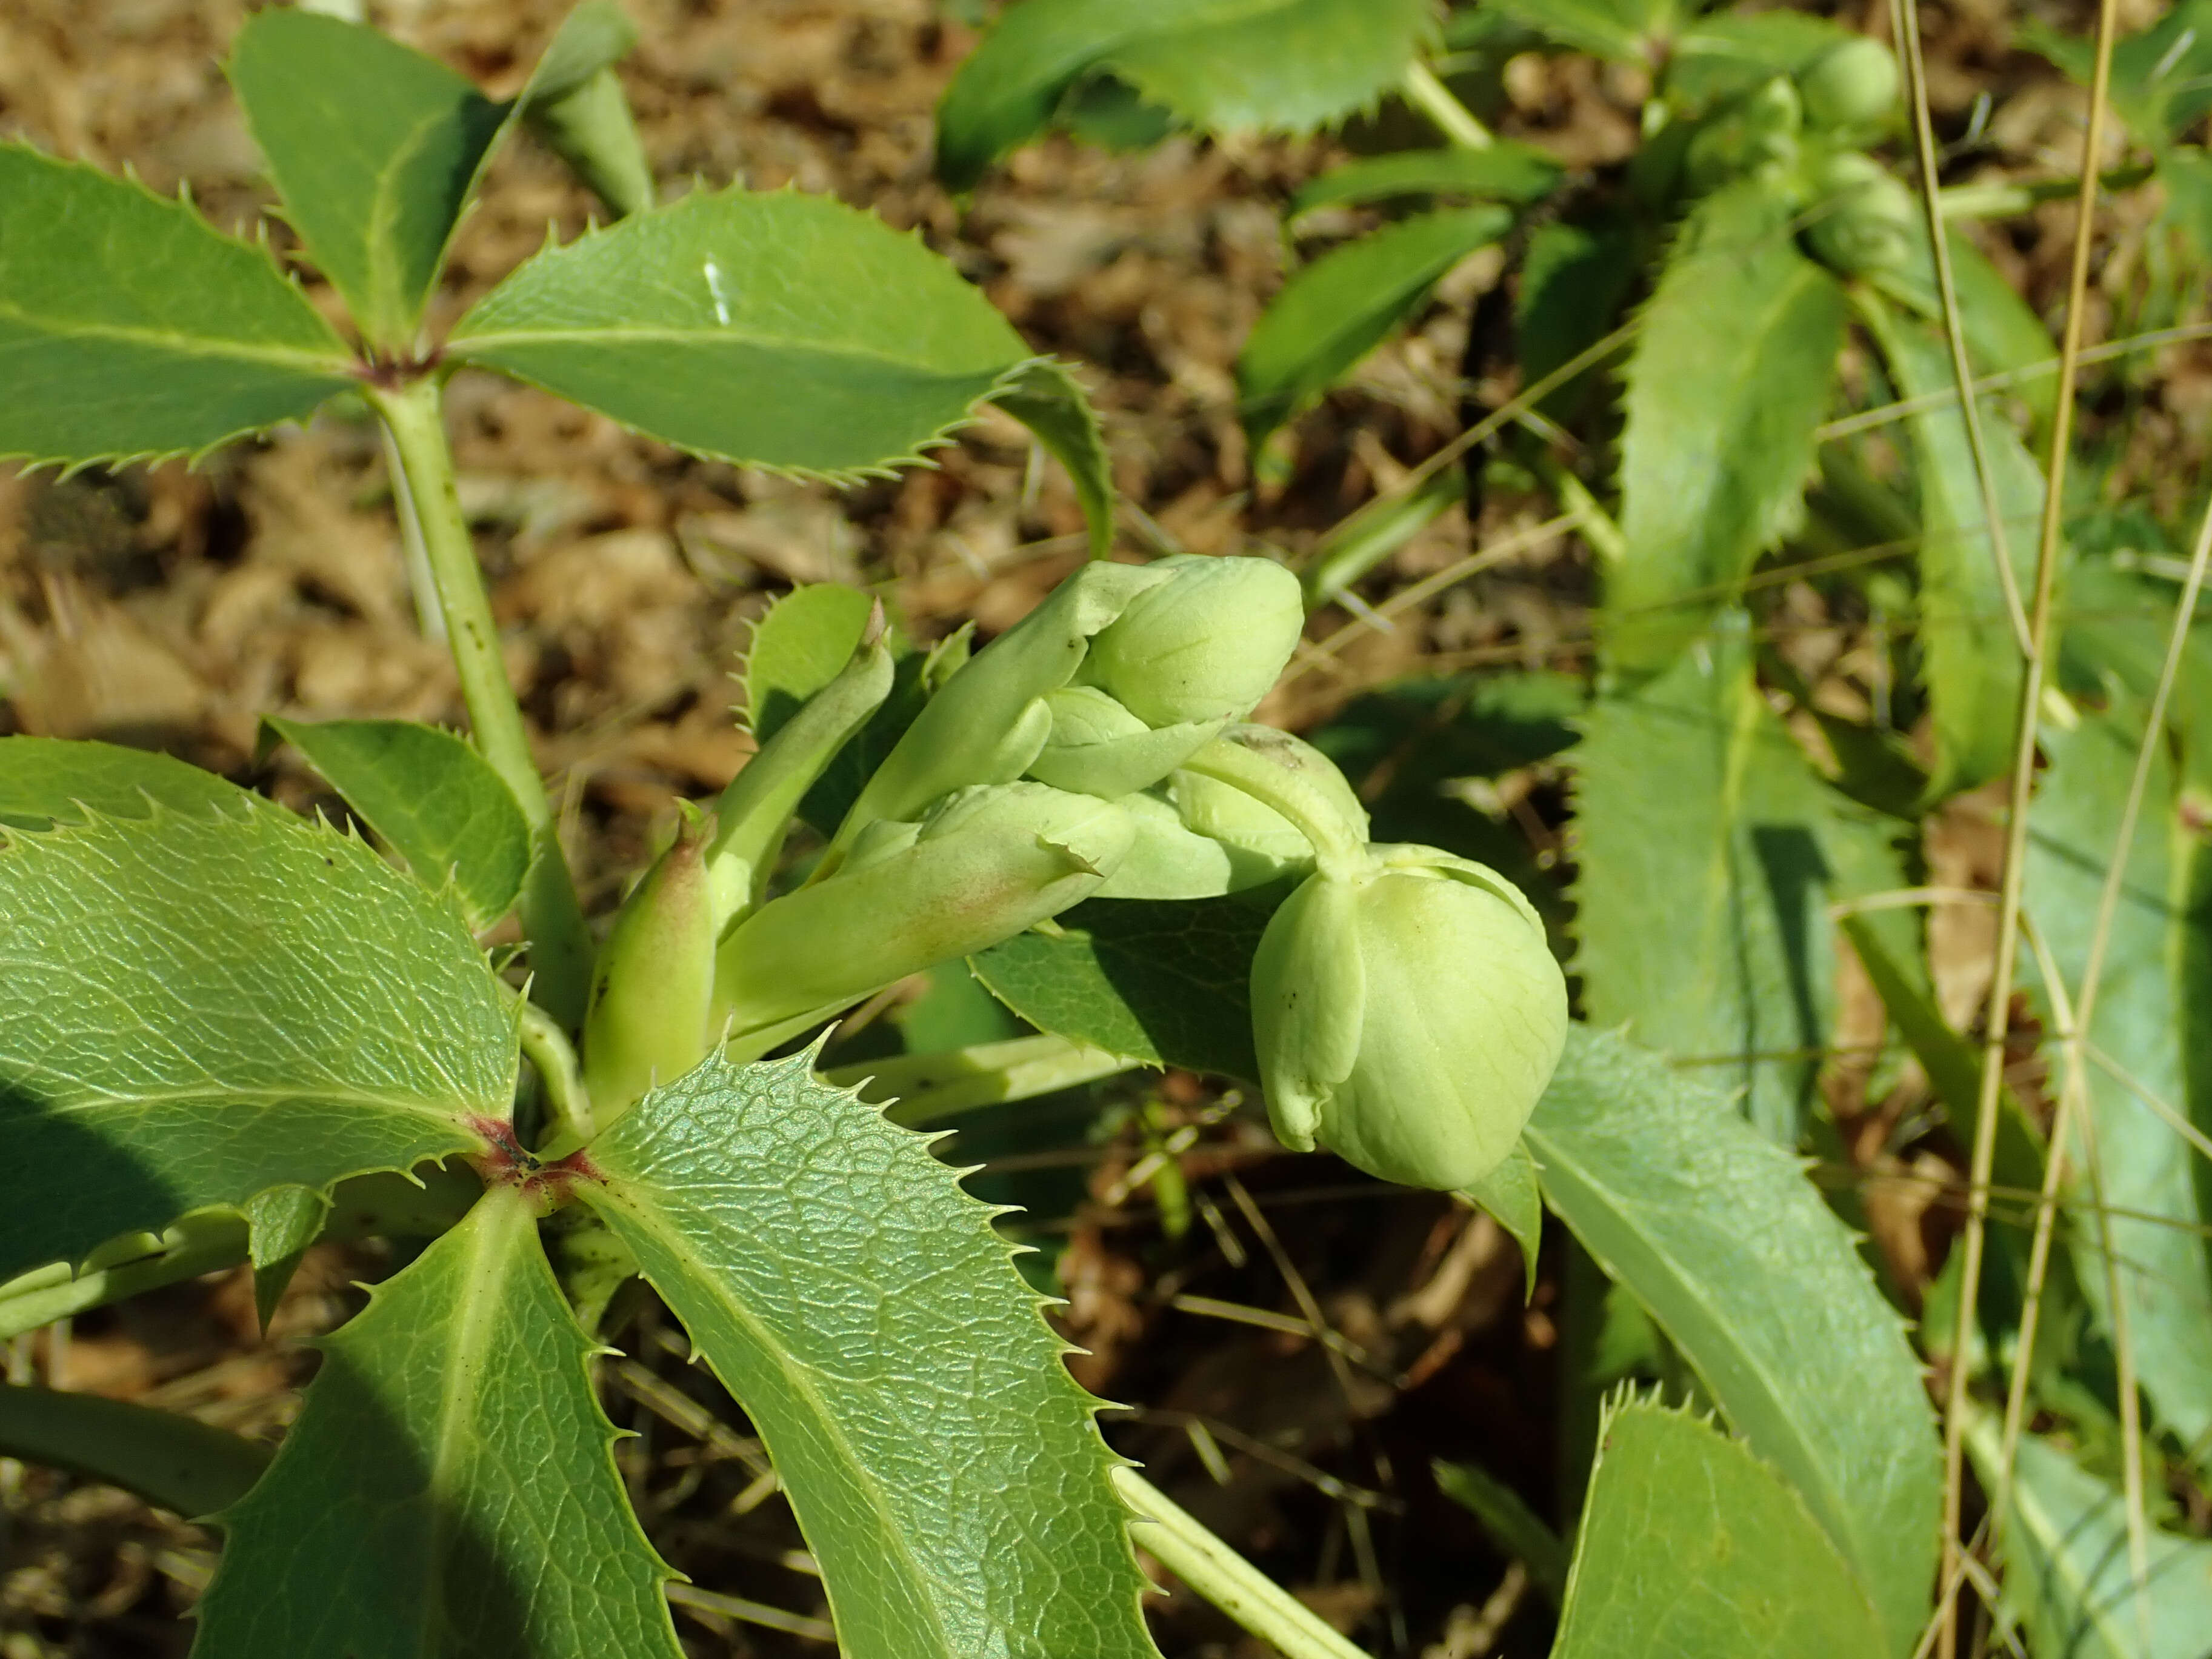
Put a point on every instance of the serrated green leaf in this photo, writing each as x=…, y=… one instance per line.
x=1720, y=1235
x=45, y=780
x=2116, y=625
x=1575, y=279
x=433, y=799
x=375, y=149
x=574, y=103
x=2067, y=1574
x=1510, y=1195
x=1504, y=173
x=1692, y=1548
x=1972, y=663
x=449, y=1491
x=130, y=328
x=1226, y=64
x=195, y=1010
x=943, y=1465
x=797, y=648
x=778, y=330
x=2142, y=1022
x=1333, y=312
x=1730, y=375
x=2161, y=78
x=281, y=1223
x=1156, y=983
x=1708, y=850
x=1625, y=31
x=1049, y=400
x=172, y=1461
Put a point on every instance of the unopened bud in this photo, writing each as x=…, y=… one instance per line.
x=1097, y=747
x=1849, y=87
x=1864, y=219
x=985, y=864
x=1205, y=645
x=1407, y=1017
x=653, y=979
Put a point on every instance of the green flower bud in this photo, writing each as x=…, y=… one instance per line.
x=1755, y=137
x=1250, y=831
x=1099, y=748
x=1205, y=645
x=1865, y=221
x=1407, y=1017
x=1848, y=88
x=985, y=864
x=988, y=722
x=653, y=979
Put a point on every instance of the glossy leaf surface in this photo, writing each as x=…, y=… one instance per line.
x=130, y=328
x=44, y=780
x=1730, y=375
x=1223, y=65
x=449, y=1491
x=1693, y=1548
x=375, y=149
x=780, y=329
x=433, y=799
x=1333, y=312
x=1720, y=1235
x=193, y=1010
x=943, y=1464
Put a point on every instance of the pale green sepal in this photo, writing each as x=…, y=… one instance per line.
x=131, y=329
x=375, y=149
x=943, y=1466
x=990, y=722
x=1309, y=998
x=281, y=1223
x=1691, y=1545
x=1099, y=748
x=1167, y=861
x=193, y=1010
x=654, y=981
x=988, y=863
x=780, y=329
x=1260, y=842
x=1511, y=1196
x=755, y=810
x=450, y=1487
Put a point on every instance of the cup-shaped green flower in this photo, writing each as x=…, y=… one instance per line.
x=1407, y=1016
x=653, y=979
x=1205, y=645
x=983, y=865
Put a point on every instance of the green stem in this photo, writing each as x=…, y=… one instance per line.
x=2001, y=201
x=1339, y=845
x=199, y=1244
x=174, y=1461
x=547, y=1048
x=925, y=1089
x=1453, y=118
x=1210, y=1567
x=560, y=945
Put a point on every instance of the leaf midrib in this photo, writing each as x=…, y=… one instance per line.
x=628, y=334
x=799, y=1377
x=1554, y=1155
x=191, y=344
x=266, y=1094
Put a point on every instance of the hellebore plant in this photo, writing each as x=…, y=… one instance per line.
x=227, y=1031
x=223, y=1027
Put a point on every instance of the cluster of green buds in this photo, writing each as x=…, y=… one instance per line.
x=1783, y=126
x=1406, y=1008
